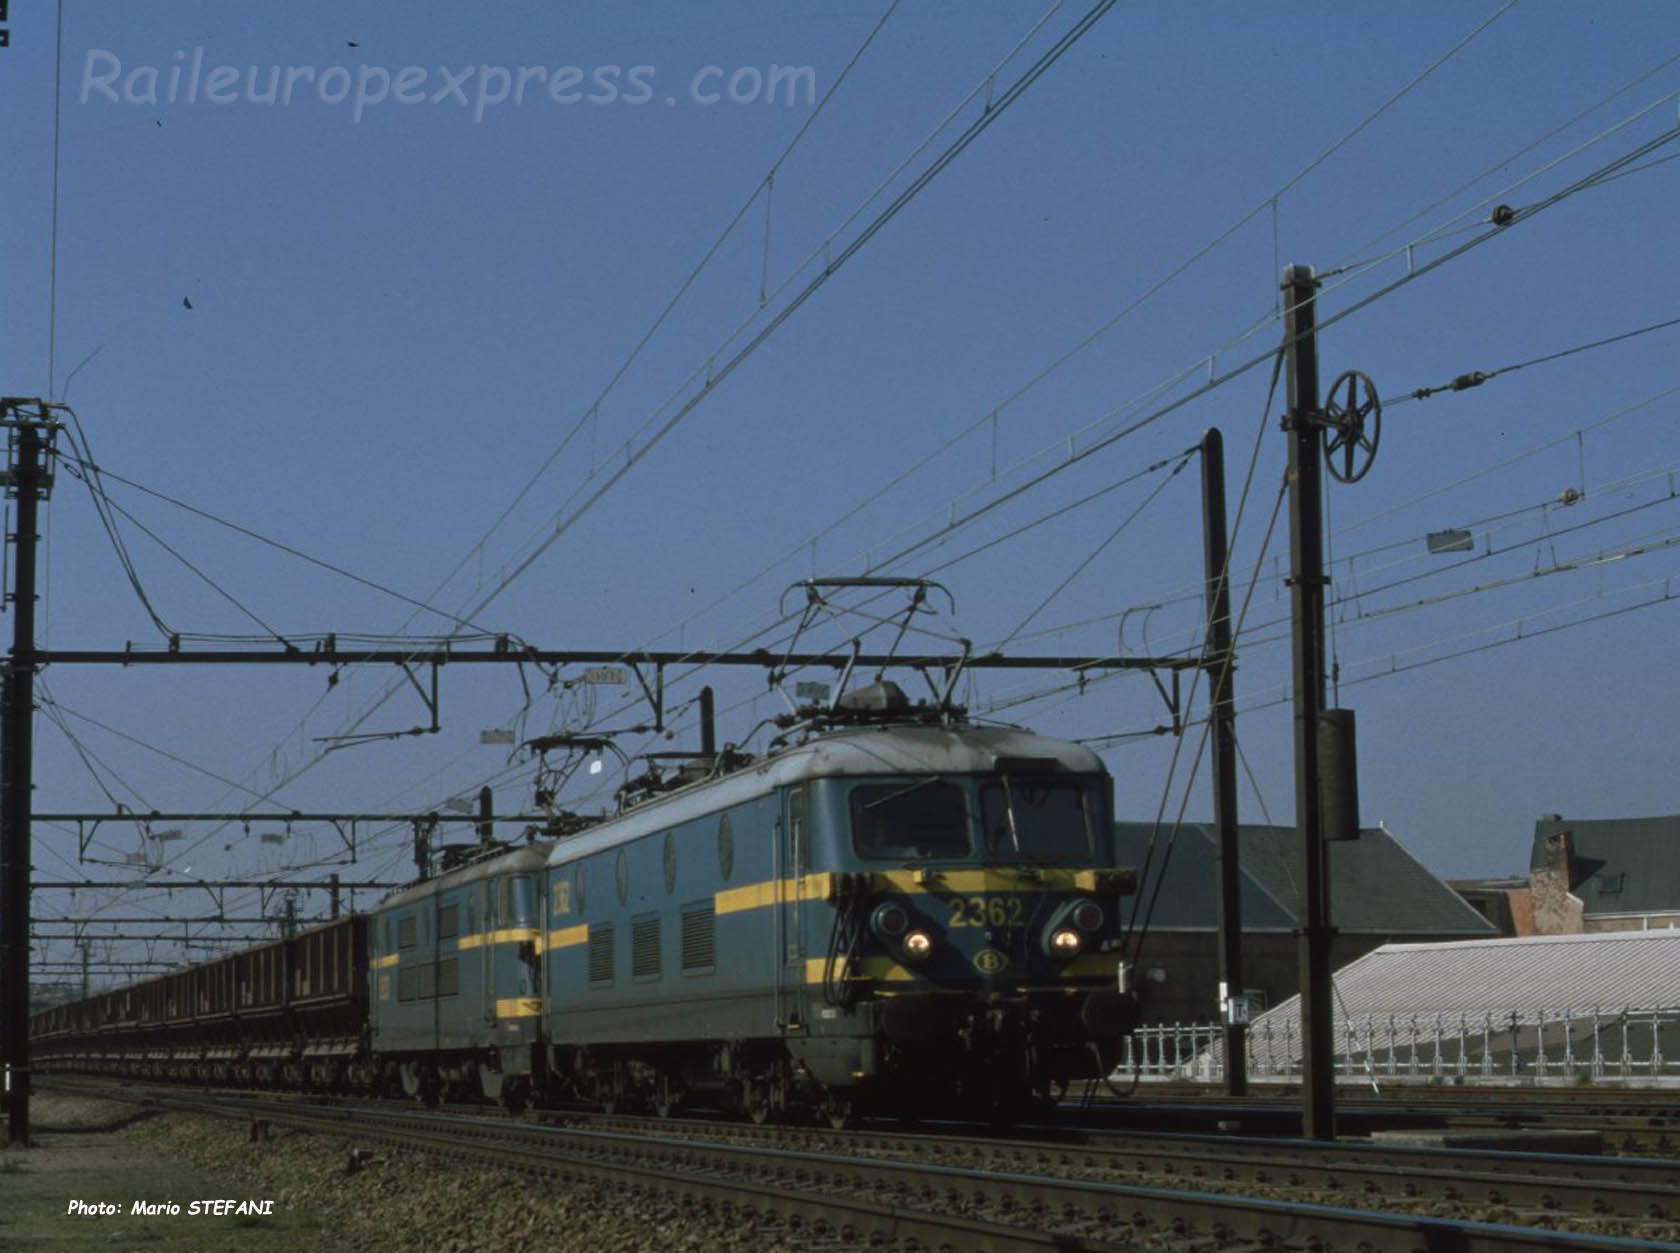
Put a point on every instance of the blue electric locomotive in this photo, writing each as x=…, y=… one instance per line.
x=908, y=913
x=455, y=1000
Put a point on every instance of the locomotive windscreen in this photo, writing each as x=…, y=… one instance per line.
x=926, y=818
x=1037, y=818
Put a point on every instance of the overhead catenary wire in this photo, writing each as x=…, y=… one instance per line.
x=990, y=415
x=1527, y=148
x=1254, y=640
x=1575, y=187
x=1052, y=515
x=1637, y=547
x=1475, y=378
x=1501, y=464
x=1520, y=629
x=102, y=511
x=1161, y=284
x=97, y=769
x=1495, y=200
x=1192, y=594
x=832, y=264
x=1096, y=552
x=592, y=411
x=288, y=549
x=633, y=456
x=1388, y=665
x=211, y=583
x=1188, y=594
x=1216, y=380
x=147, y=745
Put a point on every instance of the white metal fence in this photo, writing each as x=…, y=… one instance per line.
x=1627, y=1046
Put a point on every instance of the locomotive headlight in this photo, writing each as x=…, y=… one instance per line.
x=889, y=921
x=917, y=946
x=1087, y=916
x=1065, y=943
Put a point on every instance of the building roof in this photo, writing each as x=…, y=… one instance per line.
x=1620, y=865
x=1376, y=886
x=1607, y=971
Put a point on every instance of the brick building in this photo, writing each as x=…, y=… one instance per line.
x=1605, y=874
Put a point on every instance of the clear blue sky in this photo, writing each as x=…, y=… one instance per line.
x=400, y=311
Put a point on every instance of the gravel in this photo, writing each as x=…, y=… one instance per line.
x=375, y=1199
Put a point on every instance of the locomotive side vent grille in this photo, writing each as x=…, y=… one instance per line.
x=449, y=977
x=644, y=947
x=699, y=937
x=601, y=953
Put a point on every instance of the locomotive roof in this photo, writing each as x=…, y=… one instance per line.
x=878, y=750
x=531, y=858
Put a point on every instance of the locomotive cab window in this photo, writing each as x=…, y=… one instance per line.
x=920, y=818
x=1037, y=818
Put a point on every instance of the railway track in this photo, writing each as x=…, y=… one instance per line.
x=1640, y=1122
x=959, y=1192
x=1634, y=1188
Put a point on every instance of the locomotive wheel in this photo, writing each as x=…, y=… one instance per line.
x=514, y=1096
x=840, y=1113
x=757, y=1102
x=667, y=1097
x=420, y=1081
x=610, y=1092
x=1047, y=1096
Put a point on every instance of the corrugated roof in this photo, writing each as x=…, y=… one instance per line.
x=1607, y=971
x=1622, y=865
x=1376, y=886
